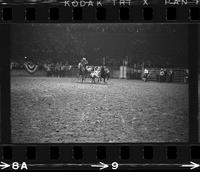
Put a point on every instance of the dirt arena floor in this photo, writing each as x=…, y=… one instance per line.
x=62, y=110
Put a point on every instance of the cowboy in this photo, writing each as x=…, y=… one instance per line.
x=83, y=63
x=146, y=73
x=107, y=72
x=162, y=73
x=103, y=73
x=48, y=69
x=171, y=75
x=186, y=76
x=165, y=75
x=82, y=66
x=62, y=70
x=57, y=69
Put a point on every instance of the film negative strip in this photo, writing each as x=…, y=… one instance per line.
x=100, y=11
x=99, y=85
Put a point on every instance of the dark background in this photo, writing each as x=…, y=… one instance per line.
x=154, y=44
x=4, y=83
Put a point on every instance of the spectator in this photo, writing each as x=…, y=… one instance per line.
x=146, y=74
x=161, y=75
x=186, y=76
x=165, y=75
x=48, y=69
x=57, y=70
x=63, y=68
x=171, y=75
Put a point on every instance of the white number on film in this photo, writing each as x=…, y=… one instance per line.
x=17, y=166
x=115, y=165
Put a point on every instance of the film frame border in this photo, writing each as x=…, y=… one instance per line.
x=59, y=13
x=184, y=152
x=86, y=156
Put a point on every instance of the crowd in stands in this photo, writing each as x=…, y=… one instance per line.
x=57, y=70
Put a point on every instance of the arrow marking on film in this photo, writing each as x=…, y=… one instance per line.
x=101, y=165
x=3, y=165
x=192, y=165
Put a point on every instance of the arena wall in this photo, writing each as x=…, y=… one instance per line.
x=21, y=72
x=178, y=74
x=72, y=73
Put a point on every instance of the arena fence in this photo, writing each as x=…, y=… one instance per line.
x=132, y=73
x=179, y=74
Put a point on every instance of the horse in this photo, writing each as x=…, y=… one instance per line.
x=96, y=73
x=89, y=70
x=105, y=73
x=100, y=72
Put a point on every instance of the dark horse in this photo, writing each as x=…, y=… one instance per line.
x=105, y=73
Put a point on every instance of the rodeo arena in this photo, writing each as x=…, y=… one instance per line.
x=87, y=73
x=58, y=96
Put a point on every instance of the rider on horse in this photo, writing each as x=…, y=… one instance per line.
x=82, y=64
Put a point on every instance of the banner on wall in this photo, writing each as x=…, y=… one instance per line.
x=30, y=67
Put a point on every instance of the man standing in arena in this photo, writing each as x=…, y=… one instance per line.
x=186, y=75
x=161, y=75
x=82, y=66
x=146, y=74
x=171, y=75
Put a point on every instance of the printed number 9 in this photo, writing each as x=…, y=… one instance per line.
x=115, y=165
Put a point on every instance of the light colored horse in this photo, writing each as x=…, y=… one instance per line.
x=96, y=73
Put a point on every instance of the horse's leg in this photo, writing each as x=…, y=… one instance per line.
x=83, y=77
x=93, y=79
x=79, y=77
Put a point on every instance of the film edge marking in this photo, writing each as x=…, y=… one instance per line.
x=4, y=165
x=102, y=166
